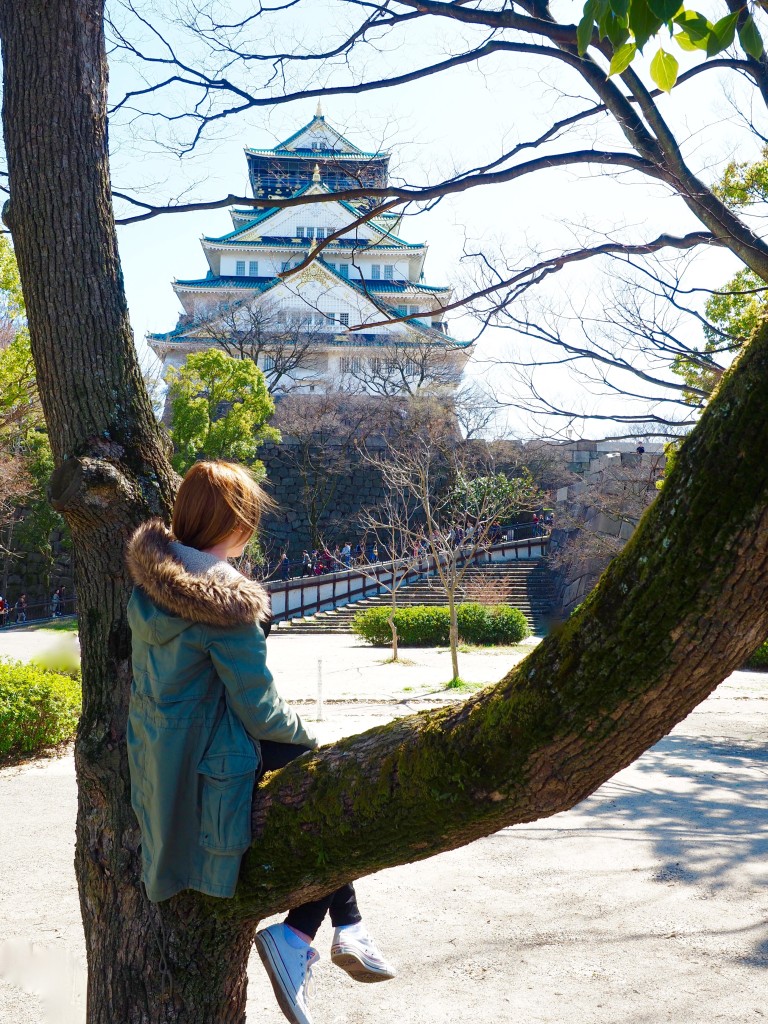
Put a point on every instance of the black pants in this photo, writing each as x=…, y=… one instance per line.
x=341, y=904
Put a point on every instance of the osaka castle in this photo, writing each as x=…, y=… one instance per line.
x=332, y=323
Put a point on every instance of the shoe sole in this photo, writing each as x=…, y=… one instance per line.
x=272, y=961
x=357, y=968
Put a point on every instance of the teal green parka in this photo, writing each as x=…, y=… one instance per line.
x=201, y=699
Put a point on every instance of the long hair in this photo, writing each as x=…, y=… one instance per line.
x=215, y=500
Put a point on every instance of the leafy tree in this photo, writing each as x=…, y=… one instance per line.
x=29, y=521
x=219, y=406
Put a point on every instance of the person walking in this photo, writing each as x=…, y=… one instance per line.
x=346, y=555
x=205, y=721
x=284, y=566
x=306, y=564
x=21, y=609
x=56, y=604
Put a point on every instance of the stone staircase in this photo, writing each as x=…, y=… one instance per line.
x=525, y=584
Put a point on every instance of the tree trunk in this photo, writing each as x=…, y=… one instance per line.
x=453, y=632
x=676, y=612
x=391, y=618
x=112, y=473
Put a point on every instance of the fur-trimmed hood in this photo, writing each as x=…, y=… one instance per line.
x=190, y=584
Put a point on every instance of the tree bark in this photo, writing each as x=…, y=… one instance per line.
x=112, y=473
x=674, y=614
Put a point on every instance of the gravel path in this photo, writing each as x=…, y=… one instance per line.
x=645, y=904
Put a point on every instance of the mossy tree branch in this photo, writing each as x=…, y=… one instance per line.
x=675, y=613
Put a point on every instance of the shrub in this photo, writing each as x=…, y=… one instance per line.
x=508, y=625
x=38, y=709
x=759, y=659
x=429, y=625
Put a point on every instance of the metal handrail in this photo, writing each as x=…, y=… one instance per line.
x=370, y=580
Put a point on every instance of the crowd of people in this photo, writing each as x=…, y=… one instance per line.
x=318, y=561
x=18, y=611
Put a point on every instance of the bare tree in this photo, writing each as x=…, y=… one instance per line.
x=451, y=510
x=615, y=124
x=280, y=341
x=407, y=366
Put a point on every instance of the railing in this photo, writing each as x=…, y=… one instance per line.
x=37, y=612
x=299, y=597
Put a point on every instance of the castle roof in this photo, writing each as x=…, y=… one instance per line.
x=273, y=210
x=317, y=127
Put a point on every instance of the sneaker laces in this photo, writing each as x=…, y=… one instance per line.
x=309, y=983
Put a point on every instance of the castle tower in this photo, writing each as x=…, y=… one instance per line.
x=250, y=304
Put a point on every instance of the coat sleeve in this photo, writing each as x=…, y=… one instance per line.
x=239, y=657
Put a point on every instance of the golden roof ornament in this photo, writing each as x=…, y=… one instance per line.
x=316, y=174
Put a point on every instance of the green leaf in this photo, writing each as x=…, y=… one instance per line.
x=620, y=8
x=643, y=22
x=695, y=26
x=664, y=9
x=664, y=70
x=750, y=39
x=584, y=30
x=685, y=42
x=622, y=58
x=722, y=34
x=615, y=29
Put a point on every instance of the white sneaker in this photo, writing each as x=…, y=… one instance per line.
x=356, y=953
x=289, y=970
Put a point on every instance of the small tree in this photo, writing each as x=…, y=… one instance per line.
x=395, y=518
x=456, y=508
x=219, y=409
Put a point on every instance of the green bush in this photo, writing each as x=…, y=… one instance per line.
x=38, y=709
x=760, y=658
x=508, y=625
x=428, y=625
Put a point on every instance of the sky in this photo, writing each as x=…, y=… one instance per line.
x=432, y=127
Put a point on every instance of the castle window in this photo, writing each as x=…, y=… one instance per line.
x=269, y=362
x=389, y=272
x=344, y=319
x=331, y=265
x=240, y=268
x=376, y=271
x=411, y=368
x=402, y=310
x=299, y=232
x=344, y=269
x=253, y=268
x=320, y=234
x=350, y=364
x=310, y=232
x=375, y=365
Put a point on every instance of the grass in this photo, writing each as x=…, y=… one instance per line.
x=396, y=661
x=463, y=685
x=68, y=625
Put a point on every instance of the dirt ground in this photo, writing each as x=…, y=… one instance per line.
x=645, y=904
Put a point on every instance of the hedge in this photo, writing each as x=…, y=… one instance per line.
x=38, y=709
x=428, y=625
x=759, y=659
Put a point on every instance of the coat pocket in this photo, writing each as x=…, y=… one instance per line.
x=227, y=783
